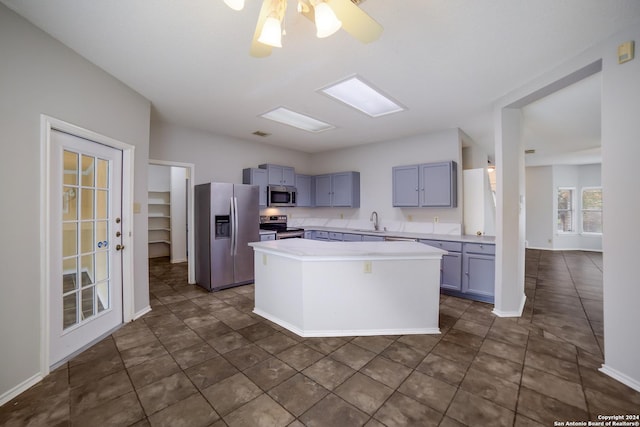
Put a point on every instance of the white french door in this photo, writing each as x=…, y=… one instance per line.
x=85, y=283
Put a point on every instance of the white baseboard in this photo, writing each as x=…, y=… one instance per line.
x=564, y=249
x=516, y=313
x=141, y=313
x=343, y=332
x=20, y=388
x=619, y=376
x=177, y=261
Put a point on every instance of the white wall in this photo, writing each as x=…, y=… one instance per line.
x=374, y=162
x=575, y=177
x=178, y=214
x=217, y=158
x=540, y=207
x=620, y=154
x=542, y=203
x=41, y=76
x=159, y=178
x=620, y=151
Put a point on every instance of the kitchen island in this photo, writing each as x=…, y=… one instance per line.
x=321, y=289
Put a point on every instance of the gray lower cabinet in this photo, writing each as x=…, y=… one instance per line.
x=425, y=185
x=349, y=237
x=451, y=264
x=467, y=270
x=479, y=266
x=336, y=237
x=267, y=236
x=256, y=176
x=370, y=238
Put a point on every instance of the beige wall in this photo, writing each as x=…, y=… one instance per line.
x=41, y=76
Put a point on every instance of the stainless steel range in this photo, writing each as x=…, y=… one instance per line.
x=279, y=224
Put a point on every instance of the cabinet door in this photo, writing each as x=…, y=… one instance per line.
x=275, y=175
x=288, y=176
x=405, y=186
x=303, y=188
x=323, y=190
x=348, y=237
x=341, y=185
x=255, y=176
x=437, y=185
x=479, y=274
x=451, y=271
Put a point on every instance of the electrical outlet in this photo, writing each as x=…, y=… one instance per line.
x=367, y=267
x=436, y=219
x=341, y=216
x=264, y=259
x=409, y=218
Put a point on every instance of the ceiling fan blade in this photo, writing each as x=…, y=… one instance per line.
x=355, y=21
x=260, y=50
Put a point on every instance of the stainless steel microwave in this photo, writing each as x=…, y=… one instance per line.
x=281, y=195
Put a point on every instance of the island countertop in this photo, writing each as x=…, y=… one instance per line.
x=314, y=249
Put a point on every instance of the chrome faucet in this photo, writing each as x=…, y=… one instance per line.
x=376, y=226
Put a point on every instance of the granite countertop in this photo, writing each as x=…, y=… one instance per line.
x=408, y=235
x=315, y=249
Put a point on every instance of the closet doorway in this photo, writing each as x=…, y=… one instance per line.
x=170, y=212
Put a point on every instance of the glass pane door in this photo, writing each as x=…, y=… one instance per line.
x=85, y=237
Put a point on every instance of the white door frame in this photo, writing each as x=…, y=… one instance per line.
x=47, y=124
x=191, y=247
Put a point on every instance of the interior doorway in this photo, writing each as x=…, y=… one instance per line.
x=170, y=212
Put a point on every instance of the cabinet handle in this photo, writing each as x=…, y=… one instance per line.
x=416, y=188
x=466, y=273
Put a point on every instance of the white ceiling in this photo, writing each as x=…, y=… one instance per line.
x=446, y=60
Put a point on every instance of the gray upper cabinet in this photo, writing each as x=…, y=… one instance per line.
x=255, y=176
x=280, y=175
x=406, y=190
x=323, y=190
x=338, y=189
x=304, y=193
x=425, y=185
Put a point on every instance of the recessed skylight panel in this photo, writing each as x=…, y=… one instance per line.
x=288, y=117
x=362, y=96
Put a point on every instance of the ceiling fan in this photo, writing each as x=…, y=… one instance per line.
x=328, y=15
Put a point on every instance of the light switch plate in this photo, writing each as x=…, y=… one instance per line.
x=625, y=52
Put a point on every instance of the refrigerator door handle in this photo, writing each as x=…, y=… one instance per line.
x=232, y=209
x=236, y=225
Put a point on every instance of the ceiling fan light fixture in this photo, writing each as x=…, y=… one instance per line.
x=327, y=22
x=235, y=4
x=271, y=32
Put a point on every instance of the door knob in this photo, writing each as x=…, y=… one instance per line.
x=119, y=247
x=117, y=220
x=118, y=234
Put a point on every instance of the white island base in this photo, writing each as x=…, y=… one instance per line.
x=326, y=289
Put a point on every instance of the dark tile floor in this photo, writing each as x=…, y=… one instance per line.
x=201, y=359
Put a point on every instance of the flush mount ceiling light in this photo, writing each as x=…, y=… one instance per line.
x=235, y=4
x=288, y=117
x=328, y=15
x=357, y=93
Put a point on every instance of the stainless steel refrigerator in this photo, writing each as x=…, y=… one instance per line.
x=226, y=220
